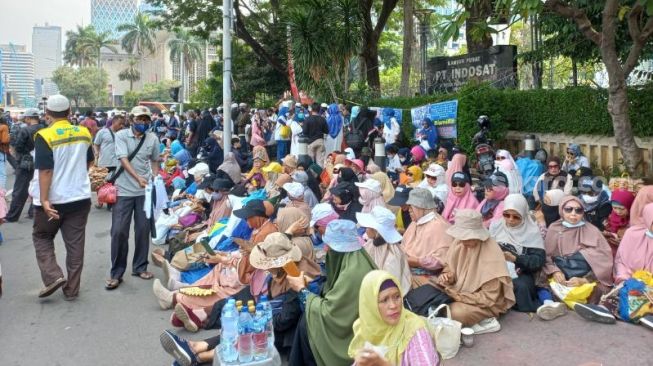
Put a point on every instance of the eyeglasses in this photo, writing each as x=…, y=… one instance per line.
x=511, y=216
x=579, y=210
x=458, y=184
x=501, y=158
x=554, y=166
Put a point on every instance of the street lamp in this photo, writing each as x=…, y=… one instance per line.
x=423, y=16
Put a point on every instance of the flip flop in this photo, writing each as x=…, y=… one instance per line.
x=112, y=284
x=144, y=275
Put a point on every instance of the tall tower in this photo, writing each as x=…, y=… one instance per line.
x=107, y=15
x=46, y=48
x=18, y=74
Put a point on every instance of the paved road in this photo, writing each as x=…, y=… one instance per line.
x=121, y=327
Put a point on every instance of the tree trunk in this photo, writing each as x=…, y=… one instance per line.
x=131, y=84
x=371, y=57
x=404, y=90
x=574, y=72
x=479, y=11
x=371, y=36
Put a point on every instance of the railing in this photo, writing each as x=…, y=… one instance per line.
x=602, y=151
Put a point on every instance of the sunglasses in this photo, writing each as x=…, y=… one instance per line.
x=511, y=216
x=409, y=174
x=458, y=184
x=579, y=210
x=554, y=166
x=501, y=158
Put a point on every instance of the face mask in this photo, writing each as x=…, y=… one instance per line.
x=589, y=199
x=215, y=196
x=570, y=225
x=390, y=157
x=402, y=159
x=649, y=233
x=140, y=128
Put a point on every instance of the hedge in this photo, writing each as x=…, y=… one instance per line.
x=572, y=111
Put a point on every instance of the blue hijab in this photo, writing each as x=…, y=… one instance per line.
x=354, y=111
x=388, y=113
x=176, y=147
x=431, y=133
x=334, y=121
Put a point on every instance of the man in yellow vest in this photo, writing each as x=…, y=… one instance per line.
x=61, y=192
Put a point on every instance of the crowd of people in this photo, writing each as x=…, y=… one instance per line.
x=351, y=255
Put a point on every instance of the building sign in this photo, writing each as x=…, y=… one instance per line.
x=497, y=65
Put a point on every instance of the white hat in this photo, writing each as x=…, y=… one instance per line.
x=199, y=170
x=383, y=221
x=320, y=211
x=141, y=110
x=58, y=103
x=371, y=184
x=234, y=105
x=434, y=170
x=242, y=105
x=324, y=105
x=294, y=189
x=298, y=104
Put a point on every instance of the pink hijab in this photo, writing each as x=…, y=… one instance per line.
x=616, y=222
x=636, y=249
x=500, y=193
x=456, y=164
x=644, y=197
x=456, y=203
x=257, y=134
x=369, y=199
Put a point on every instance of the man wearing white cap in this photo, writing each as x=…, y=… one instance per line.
x=61, y=192
x=138, y=152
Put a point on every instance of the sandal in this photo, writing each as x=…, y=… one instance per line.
x=112, y=284
x=144, y=275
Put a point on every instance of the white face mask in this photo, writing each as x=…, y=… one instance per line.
x=589, y=199
x=570, y=225
x=215, y=196
x=649, y=233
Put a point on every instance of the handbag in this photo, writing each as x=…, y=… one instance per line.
x=26, y=162
x=445, y=332
x=572, y=265
x=421, y=299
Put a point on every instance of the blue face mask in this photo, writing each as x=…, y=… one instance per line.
x=649, y=233
x=570, y=225
x=141, y=128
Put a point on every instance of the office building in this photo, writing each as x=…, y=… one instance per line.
x=107, y=15
x=47, y=51
x=17, y=70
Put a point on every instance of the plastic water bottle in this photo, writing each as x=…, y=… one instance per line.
x=259, y=336
x=229, y=332
x=267, y=310
x=245, y=336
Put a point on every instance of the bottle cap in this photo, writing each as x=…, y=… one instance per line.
x=263, y=298
x=239, y=303
x=251, y=309
x=250, y=302
x=244, y=309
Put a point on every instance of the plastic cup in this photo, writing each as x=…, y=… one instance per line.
x=467, y=335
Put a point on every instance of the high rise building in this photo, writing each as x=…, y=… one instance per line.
x=46, y=48
x=107, y=15
x=17, y=70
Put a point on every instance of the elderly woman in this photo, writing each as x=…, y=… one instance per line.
x=325, y=331
x=618, y=220
x=384, y=244
x=344, y=199
x=574, y=159
x=385, y=323
x=425, y=241
x=553, y=178
x=435, y=182
x=475, y=275
x=371, y=195
x=295, y=192
x=521, y=241
x=496, y=190
x=460, y=197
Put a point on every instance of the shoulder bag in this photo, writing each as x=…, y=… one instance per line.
x=108, y=193
x=572, y=265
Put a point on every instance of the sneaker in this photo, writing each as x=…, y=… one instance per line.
x=551, y=310
x=178, y=348
x=647, y=321
x=191, y=321
x=51, y=288
x=489, y=325
x=595, y=313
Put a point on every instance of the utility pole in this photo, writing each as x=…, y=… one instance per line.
x=226, y=74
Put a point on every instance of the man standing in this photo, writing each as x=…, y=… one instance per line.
x=62, y=197
x=138, y=152
x=315, y=127
x=23, y=147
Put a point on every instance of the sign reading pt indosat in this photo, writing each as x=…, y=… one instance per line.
x=497, y=65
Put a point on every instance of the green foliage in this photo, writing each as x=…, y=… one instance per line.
x=205, y=95
x=139, y=35
x=185, y=46
x=86, y=84
x=152, y=92
x=572, y=111
x=130, y=73
x=130, y=98
x=84, y=44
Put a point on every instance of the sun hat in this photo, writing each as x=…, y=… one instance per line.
x=199, y=170
x=589, y=184
x=272, y=167
x=300, y=177
x=57, y=103
x=383, y=221
x=434, y=170
x=421, y=198
x=468, y=225
x=251, y=209
x=371, y=184
x=341, y=236
x=274, y=252
x=320, y=211
x=290, y=161
x=294, y=189
x=140, y=110
x=400, y=198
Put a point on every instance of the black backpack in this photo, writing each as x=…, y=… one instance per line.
x=354, y=137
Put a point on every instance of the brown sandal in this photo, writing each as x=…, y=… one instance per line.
x=112, y=284
x=144, y=275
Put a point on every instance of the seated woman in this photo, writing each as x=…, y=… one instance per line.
x=573, y=239
x=425, y=241
x=553, y=178
x=635, y=254
x=384, y=244
x=521, y=241
x=388, y=190
x=295, y=192
x=344, y=199
x=460, y=196
x=643, y=198
x=618, y=220
x=256, y=178
x=371, y=194
x=309, y=197
x=475, y=275
x=506, y=165
x=595, y=200
x=496, y=190
x=325, y=331
x=435, y=182
x=230, y=168
x=414, y=176
x=550, y=207
x=385, y=323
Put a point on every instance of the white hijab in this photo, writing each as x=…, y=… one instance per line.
x=526, y=235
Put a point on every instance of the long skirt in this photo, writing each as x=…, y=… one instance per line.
x=332, y=144
x=301, y=353
x=525, y=293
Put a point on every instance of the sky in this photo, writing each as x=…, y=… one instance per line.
x=19, y=16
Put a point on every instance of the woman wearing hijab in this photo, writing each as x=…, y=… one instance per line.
x=386, y=185
x=460, y=196
x=643, y=198
x=428, y=135
x=255, y=178
x=403, y=219
x=325, y=331
x=521, y=241
x=392, y=129
x=295, y=121
x=553, y=178
x=309, y=167
x=418, y=154
x=596, y=201
x=295, y=198
x=344, y=199
x=435, y=182
x=506, y=165
x=230, y=168
x=385, y=323
x=404, y=157
x=636, y=249
x=384, y=244
x=618, y=220
x=371, y=195
x=414, y=176
x=458, y=163
x=258, y=127
x=335, y=122
x=574, y=159
x=475, y=275
x=496, y=190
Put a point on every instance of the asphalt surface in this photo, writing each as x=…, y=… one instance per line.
x=122, y=327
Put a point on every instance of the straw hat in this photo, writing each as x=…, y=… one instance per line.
x=274, y=252
x=469, y=225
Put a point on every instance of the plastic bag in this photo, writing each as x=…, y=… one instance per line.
x=445, y=332
x=162, y=226
x=572, y=295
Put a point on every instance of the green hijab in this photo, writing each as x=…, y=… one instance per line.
x=330, y=317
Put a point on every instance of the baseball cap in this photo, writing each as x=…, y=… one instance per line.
x=58, y=103
x=496, y=179
x=459, y=177
x=251, y=209
x=401, y=196
x=207, y=181
x=140, y=110
x=31, y=112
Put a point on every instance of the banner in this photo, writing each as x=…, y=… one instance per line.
x=443, y=115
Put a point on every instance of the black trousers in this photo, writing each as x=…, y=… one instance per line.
x=121, y=219
x=301, y=353
x=20, y=193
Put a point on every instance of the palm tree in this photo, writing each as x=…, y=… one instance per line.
x=74, y=53
x=186, y=49
x=139, y=36
x=94, y=43
x=130, y=73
